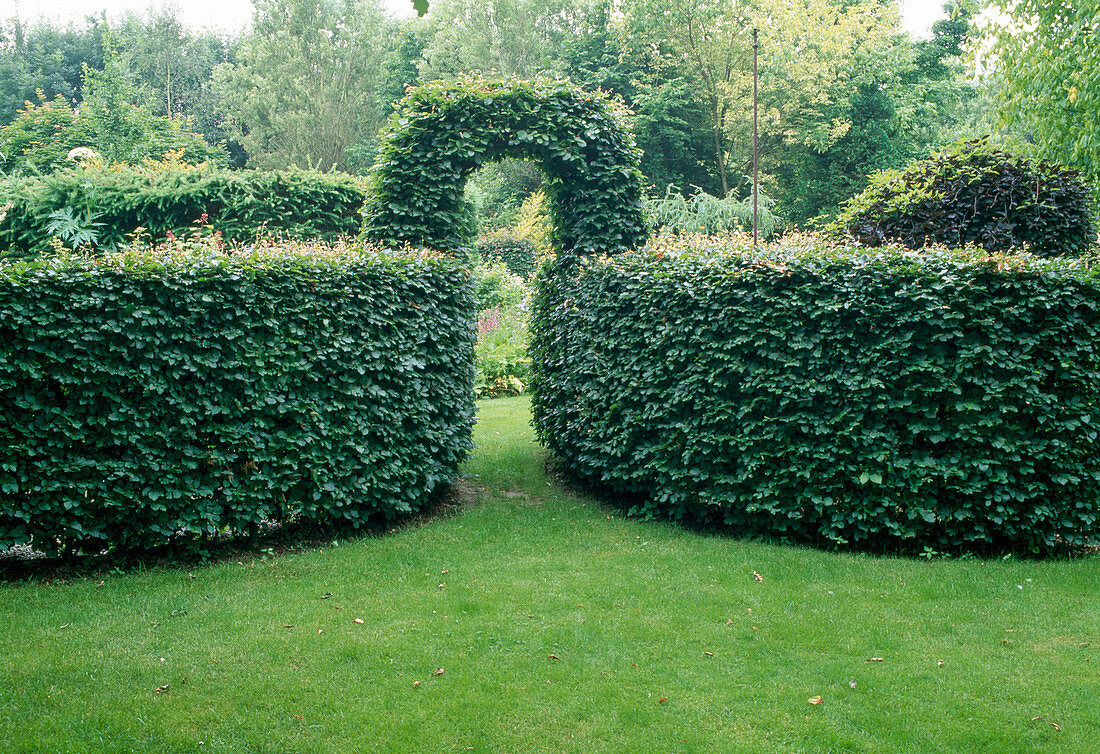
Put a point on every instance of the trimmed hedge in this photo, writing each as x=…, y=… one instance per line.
x=883, y=399
x=239, y=203
x=974, y=193
x=151, y=399
x=445, y=130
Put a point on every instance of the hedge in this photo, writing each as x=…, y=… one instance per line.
x=239, y=203
x=876, y=398
x=445, y=130
x=151, y=399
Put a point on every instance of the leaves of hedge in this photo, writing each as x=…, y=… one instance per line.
x=148, y=398
x=445, y=130
x=883, y=399
x=977, y=194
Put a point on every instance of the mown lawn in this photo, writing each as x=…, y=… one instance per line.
x=560, y=626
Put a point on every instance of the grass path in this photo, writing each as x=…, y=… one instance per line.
x=560, y=627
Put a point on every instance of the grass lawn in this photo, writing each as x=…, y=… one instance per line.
x=560, y=626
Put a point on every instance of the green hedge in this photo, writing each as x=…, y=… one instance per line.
x=886, y=399
x=147, y=399
x=287, y=204
x=445, y=130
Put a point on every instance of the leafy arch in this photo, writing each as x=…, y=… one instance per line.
x=445, y=130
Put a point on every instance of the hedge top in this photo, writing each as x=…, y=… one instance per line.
x=445, y=130
x=198, y=264
x=693, y=254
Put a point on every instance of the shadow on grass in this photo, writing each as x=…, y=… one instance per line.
x=27, y=564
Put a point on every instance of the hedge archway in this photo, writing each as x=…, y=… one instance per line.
x=445, y=130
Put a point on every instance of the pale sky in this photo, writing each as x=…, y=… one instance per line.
x=232, y=15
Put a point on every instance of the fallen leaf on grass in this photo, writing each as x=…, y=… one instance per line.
x=326, y=595
x=160, y=689
x=416, y=684
x=300, y=718
x=939, y=663
x=709, y=654
x=815, y=700
x=758, y=577
x=288, y=626
x=552, y=657
x=662, y=700
x=445, y=571
x=1056, y=726
x=874, y=659
x=357, y=620
x=439, y=671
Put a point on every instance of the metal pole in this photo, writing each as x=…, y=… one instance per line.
x=755, y=46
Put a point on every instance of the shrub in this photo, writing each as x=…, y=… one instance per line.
x=974, y=194
x=148, y=398
x=518, y=254
x=704, y=213
x=239, y=204
x=887, y=399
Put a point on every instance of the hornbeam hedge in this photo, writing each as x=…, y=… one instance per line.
x=147, y=399
x=292, y=204
x=884, y=399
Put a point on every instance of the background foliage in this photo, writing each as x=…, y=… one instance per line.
x=150, y=397
x=1047, y=63
x=888, y=400
x=844, y=92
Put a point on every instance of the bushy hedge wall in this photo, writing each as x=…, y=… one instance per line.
x=287, y=204
x=887, y=399
x=143, y=399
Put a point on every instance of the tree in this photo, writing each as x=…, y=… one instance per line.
x=46, y=58
x=504, y=37
x=173, y=65
x=304, y=88
x=111, y=120
x=1048, y=61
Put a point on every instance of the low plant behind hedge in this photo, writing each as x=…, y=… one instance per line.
x=148, y=398
x=886, y=399
x=239, y=204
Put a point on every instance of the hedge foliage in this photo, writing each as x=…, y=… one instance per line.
x=445, y=130
x=151, y=398
x=239, y=203
x=974, y=193
x=886, y=399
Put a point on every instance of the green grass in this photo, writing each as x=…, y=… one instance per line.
x=666, y=641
